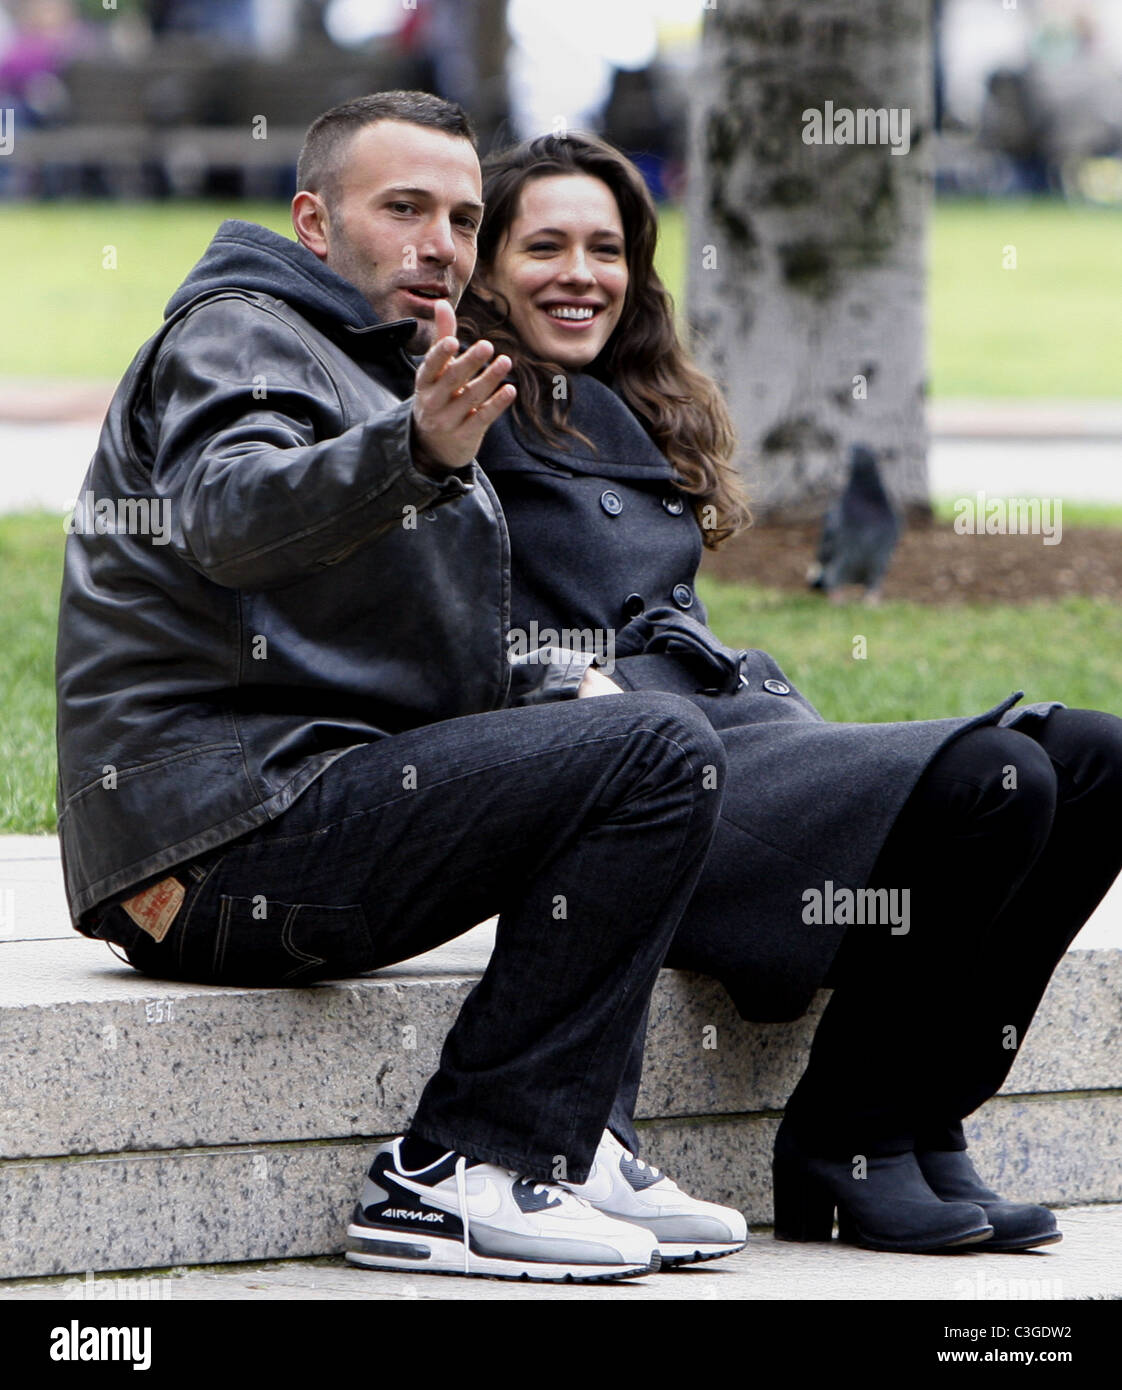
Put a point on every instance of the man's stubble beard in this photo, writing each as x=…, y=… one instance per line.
x=344, y=261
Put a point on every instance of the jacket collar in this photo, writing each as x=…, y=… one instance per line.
x=621, y=447
x=246, y=257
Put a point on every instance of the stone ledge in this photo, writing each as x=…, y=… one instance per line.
x=111, y=1060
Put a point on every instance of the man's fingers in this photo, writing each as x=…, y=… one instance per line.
x=485, y=415
x=456, y=445
x=463, y=408
x=444, y=319
x=460, y=372
x=482, y=386
x=442, y=366
x=434, y=362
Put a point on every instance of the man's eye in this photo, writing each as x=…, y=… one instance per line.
x=469, y=224
x=401, y=207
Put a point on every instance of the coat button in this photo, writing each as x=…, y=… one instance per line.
x=673, y=504
x=777, y=687
x=633, y=605
x=683, y=595
x=611, y=502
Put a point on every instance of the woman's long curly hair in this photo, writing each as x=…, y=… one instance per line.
x=681, y=407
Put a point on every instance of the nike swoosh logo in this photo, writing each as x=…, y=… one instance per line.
x=485, y=1202
x=598, y=1188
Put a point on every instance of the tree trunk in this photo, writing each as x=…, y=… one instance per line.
x=807, y=260
x=470, y=43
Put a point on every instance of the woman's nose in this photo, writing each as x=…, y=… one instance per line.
x=576, y=269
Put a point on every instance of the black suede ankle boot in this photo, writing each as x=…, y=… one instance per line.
x=890, y=1208
x=1016, y=1226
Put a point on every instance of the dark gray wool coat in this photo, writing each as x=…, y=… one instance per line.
x=601, y=537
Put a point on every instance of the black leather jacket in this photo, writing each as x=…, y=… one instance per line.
x=258, y=578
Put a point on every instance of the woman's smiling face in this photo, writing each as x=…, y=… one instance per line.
x=562, y=268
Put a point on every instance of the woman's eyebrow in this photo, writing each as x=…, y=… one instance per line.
x=556, y=231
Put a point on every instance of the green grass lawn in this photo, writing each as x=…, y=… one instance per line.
x=1048, y=328
x=65, y=315
x=922, y=663
x=1076, y=513
x=30, y=573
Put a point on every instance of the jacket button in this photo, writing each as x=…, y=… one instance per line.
x=673, y=504
x=633, y=605
x=777, y=687
x=611, y=502
x=683, y=595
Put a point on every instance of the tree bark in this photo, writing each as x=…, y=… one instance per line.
x=807, y=260
x=471, y=41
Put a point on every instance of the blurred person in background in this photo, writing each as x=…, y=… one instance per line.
x=42, y=38
x=227, y=21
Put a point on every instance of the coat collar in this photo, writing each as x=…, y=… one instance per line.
x=621, y=447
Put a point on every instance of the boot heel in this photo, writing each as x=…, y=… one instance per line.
x=802, y=1208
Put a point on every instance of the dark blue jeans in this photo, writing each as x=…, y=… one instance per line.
x=583, y=824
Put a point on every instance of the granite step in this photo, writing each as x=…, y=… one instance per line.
x=147, y=1124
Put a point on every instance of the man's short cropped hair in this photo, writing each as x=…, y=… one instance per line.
x=320, y=166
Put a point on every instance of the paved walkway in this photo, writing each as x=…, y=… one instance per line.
x=1086, y=1264
x=38, y=400
x=48, y=433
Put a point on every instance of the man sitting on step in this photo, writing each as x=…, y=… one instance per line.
x=292, y=747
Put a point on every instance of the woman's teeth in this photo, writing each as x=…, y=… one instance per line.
x=567, y=311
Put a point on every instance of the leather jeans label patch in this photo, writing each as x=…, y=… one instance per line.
x=155, y=909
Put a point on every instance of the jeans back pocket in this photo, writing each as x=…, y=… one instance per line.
x=260, y=941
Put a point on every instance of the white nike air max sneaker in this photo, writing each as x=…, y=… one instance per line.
x=459, y=1217
x=688, y=1230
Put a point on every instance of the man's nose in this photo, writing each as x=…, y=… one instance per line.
x=439, y=244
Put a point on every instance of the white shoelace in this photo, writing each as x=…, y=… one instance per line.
x=562, y=1194
x=552, y=1189
x=461, y=1193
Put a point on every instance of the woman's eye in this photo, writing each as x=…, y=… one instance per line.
x=609, y=250
x=542, y=246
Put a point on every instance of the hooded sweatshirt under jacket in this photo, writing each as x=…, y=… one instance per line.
x=257, y=578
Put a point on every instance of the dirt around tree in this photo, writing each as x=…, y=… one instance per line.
x=934, y=564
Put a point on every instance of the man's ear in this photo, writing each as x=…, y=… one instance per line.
x=310, y=222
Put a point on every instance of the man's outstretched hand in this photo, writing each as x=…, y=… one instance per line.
x=456, y=399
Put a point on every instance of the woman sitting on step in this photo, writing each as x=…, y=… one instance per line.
x=998, y=831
